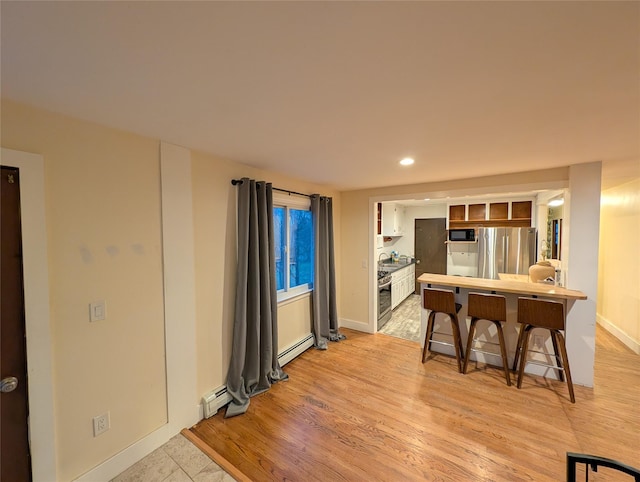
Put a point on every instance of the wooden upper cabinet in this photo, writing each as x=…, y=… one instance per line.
x=477, y=212
x=502, y=213
x=521, y=210
x=499, y=211
x=457, y=213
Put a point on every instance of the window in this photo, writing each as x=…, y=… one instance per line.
x=293, y=236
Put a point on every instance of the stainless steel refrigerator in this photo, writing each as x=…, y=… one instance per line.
x=505, y=250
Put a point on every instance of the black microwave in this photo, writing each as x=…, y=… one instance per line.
x=462, y=235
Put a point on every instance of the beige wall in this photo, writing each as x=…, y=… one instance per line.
x=103, y=218
x=214, y=201
x=104, y=237
x=103, y=223
x=357, y=228
x=619, y=267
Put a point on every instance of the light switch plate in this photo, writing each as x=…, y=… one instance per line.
x=98, y=311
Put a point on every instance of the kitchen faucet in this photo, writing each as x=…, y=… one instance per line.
x=379, y=260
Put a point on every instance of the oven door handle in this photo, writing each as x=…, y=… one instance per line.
x=388, y=283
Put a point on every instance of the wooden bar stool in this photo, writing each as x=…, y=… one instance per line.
x=549, y=315
x=442, y=301
x=492, y=308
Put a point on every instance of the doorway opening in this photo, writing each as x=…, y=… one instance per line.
x=15, y=456
x=36, y=316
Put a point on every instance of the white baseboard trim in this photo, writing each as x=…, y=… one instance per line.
x=356, y=325
x=110, y=468
x=295, y=349
x=618, y=333
x=117, y=464
x=218, y=398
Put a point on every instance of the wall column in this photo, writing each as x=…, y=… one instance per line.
x=583, y=212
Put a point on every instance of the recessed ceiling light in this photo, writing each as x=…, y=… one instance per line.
x=556, y=202
x=427, y=199
x=407, y=161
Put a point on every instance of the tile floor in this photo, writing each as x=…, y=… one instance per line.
x=405, y=320
x=176, y=461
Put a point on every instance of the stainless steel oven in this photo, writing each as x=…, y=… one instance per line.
x=384, y=299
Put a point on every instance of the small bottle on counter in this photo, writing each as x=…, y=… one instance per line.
x=558, y=277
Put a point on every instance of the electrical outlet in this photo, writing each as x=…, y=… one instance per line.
x=101, y=424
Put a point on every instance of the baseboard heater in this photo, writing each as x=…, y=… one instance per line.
x=218, y=398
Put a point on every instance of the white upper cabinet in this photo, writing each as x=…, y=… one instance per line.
x=392, y=219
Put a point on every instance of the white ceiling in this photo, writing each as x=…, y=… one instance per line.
x=502, y=195
x=338, y=92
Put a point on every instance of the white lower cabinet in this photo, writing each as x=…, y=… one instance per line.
x=402, y=284
x=395, y=291
x=410, y=281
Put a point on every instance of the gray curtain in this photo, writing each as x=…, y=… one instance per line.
x=254, y=355
x=325, y=313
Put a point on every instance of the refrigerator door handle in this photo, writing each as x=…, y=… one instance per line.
x=506, y=256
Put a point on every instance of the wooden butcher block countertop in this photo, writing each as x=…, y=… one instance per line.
x=503, y=286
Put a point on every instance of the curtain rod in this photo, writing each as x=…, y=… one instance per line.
x=239, y=181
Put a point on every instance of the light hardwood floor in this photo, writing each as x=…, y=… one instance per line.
x=367, y=409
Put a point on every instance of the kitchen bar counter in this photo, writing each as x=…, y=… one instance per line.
x=503, y=286
x=511, y=288
x=514, y=277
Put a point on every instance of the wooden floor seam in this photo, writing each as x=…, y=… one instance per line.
x=217, y=457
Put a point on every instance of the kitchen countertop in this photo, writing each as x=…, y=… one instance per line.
x=514, y=277
x=393, y=267
x=504, y=286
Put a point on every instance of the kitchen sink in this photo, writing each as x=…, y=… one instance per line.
x=390, y=265
x=399, y=264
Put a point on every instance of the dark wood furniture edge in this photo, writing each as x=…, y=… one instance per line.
x=491, y=223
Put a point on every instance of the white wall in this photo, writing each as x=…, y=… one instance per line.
x=405, y=244
x=106, y=233
x=462, y=259
x=412, y=213
x=581, y=226
x=542, y=214
x=103, y=216
x=619, y=263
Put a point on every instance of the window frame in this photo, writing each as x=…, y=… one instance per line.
x=288, y=202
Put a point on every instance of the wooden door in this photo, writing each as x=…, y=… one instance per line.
x=15, y=463
x=430, y=247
